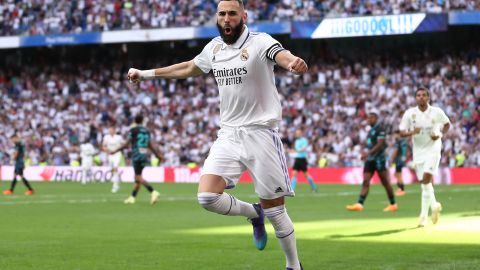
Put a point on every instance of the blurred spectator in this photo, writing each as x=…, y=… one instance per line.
x=57, y=106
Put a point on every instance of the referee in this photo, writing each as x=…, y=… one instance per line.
x=301, y=163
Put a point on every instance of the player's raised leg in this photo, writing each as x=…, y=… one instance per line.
x=212, y=197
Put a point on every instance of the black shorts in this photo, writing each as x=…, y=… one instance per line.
x=19, y=170
x=378, y=165
x=138, y=167
x=300, y=164
x=399, y=166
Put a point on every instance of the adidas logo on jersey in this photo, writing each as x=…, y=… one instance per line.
x=279, y=189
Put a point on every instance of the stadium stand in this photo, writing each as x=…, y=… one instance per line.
x=28, y=17
x=61, y=98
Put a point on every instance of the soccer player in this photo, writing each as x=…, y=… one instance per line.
x=18, y=157
x=242, y=63
x=375, y=160
x=140, y=140
x=301, y=163
x=426, y=125
x=113, y=141
x=87, y=151
x=399, y=157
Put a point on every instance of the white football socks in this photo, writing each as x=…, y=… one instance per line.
x=115, y=181
x=226, y=204
x=285, y=233
x=428, y=199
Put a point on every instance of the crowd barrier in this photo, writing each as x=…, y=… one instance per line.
x=447, y=176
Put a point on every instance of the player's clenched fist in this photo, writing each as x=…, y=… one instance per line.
x=298, y=66
x=133, y=75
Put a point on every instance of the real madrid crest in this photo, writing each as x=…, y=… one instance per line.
x=217, y=48
x=244, y=55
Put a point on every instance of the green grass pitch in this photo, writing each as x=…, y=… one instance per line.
x=74, y=226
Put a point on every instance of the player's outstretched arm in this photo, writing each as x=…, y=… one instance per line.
x=124, y=145
x=177, y=71
x=290, y=62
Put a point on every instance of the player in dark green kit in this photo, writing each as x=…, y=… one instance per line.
x=375, y=160
x=140, y=140
x=18, y=156
x=399, y=157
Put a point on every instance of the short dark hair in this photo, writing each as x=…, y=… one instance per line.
x=139, y=119
x=240, y=2
x=422, y=88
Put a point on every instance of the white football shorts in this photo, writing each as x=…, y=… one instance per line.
x=258, y=150
x=114, y=160
x=428, y=165
x=87, y=163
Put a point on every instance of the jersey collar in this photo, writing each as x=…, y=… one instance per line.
x=426, y=111
x=241, y=40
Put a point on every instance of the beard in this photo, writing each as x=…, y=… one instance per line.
x=234, y=35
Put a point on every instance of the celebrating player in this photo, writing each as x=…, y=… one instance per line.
x=139, y=138
x=18, y=157
x=242, y=63
x=375, y=160
x=426, y=125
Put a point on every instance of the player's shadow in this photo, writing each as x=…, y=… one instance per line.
x=474, y=214
x=370, y=234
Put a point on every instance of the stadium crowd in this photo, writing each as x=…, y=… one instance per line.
x=56, y=107
x=40, y=17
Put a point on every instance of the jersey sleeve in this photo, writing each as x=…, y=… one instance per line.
x=268, y=47
x=404, y=123
x=442, y=117
x=204, y=59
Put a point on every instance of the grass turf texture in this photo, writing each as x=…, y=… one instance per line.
x=71, y=226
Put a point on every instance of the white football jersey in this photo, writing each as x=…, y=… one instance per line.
x=423, y=146
x=112, y=142
x=245, y=79
x=87, y=151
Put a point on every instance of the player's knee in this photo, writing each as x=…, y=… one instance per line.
x=208, y=200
